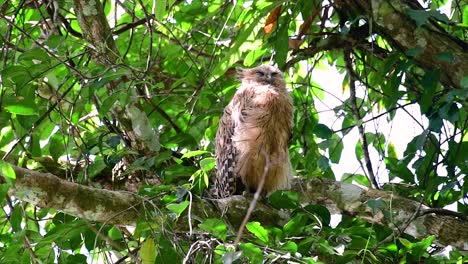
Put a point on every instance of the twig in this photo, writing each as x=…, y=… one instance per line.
x=376, y=117
x=398, y=230
x=253, y=203
x=442, y=211
x=357, y=118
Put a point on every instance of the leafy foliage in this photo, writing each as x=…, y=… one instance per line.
x=142, y=117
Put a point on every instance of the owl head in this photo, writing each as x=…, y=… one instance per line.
x=263, y=75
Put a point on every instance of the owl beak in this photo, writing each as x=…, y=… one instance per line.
x=268, y=78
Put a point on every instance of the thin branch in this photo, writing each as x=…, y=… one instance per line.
x=442, y=211
x=253, y=202
x=357, y=118
x=375, y=117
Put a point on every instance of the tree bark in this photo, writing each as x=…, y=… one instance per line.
x=123, y=208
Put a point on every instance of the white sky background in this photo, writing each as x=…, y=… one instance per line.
x=400, y=131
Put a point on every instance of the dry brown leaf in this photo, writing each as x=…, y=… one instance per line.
x=272, y=19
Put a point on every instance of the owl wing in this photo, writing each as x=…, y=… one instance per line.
x=226, y=180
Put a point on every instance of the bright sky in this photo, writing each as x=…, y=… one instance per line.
x=400, y=134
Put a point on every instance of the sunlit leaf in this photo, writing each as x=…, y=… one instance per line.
x=160, y=10
x=7, y=172
x=194, y=153
x=258, y=230
x=148, y=251
x=22, y=109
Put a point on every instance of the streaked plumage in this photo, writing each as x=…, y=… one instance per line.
x=254, y=133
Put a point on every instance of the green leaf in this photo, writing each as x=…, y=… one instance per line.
x=252, y=252
x=56, y=146
x=435, y=123
x=252, y=56
x=76, y=259
x=258, y=230
x=16, y=218
x=358, y=150
x=429, y=82
x=414, y=52
x=207, y=164
x=284, y=199
x=398, y=169
x=179, y=208
x=391, y=151
x=108, y=103
x=37, y=54
x=439, y=16
x=96, y=167
x=320, y=211
x=289, y=247
x=347, y=124
x=215, y=227
x=160, y=11
x=148, y=251
x=376, y=204
x=465, y=15
x=194, y=153
x=323, y=163
x=178, y=170
x=115, y=234
x=296, y=225
x=22, y=108
x=336, y=149
x=390, y=89
x=420, y=248
x=322, y=131
x=464, y=82
x=419, y=16
x=281, y=44
x=7, y=171
x=445, y=56
x=167, y=252
x=3, y=190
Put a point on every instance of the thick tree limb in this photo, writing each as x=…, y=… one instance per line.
x=434, y=47
x=49, y=191
x=122, y=208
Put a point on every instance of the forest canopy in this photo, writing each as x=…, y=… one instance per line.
x=109, y=110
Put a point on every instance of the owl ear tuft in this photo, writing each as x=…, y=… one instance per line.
x=240, y=73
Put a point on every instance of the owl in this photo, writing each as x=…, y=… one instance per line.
x=253, y=136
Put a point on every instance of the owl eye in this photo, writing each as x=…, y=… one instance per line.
x=259, y=73
x=273, y=74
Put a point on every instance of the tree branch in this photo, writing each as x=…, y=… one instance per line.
x=437, y=49
x=123, y=208
x=357, y=118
